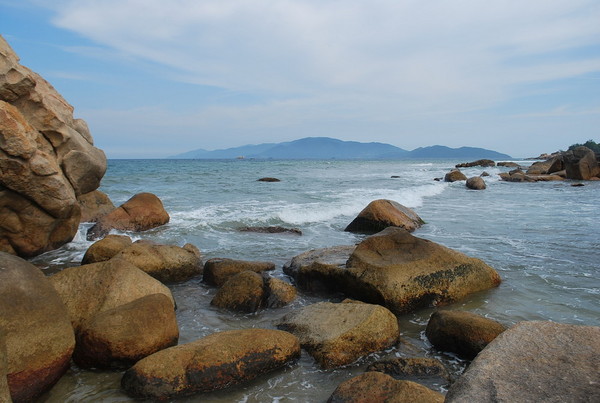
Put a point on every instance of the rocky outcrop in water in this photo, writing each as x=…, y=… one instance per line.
x=517, y=175
x=214, y=362
x=380, y=214
x=121, y=336
x=475, y=183
x=218, y=270
x=339, y=334
x=47, y=161
x=463, y=333
x=412, y=369
x=581, y=164
x=379, y=387
x=478, y=163
x=534, y=362
x=35, y=328
x=455, y=175
x=271, y=230
x=395, y=269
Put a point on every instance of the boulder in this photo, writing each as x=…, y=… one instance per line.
x=4, y=391
x=47, y=160
x=320, y=270
x=379, y=387
x=271, y=230
x=121, y=336
x=534, y=362
x=37, y=333
x=166, y=263
x=475, y=183
x=581, y=164
x=463, y=333
x=484, y=174
x=478, y=163
x=249, y=291
x=142, y=212
x=548, y=166
x=380, y=214
x=218, y=270
x=339, y=334
x=94, y=205
x=411, y=368
x=454, y=176
x=268, y=179
x=244, y=292
x=518, y=175
x=214, y=362
x=279, y=293
x=106, y=248
x=90, y=289
x=509, y=164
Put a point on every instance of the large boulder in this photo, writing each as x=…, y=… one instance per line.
x=339, y=334
x=395, y=269
x=94, y=205
x=380, y=214
x=581, y=164
x=4, y=391
x=379, y=387
x=534, y=362
x=549, y=166
x=218, y=270
x=106, y=248
x=279, y=292
x=455, y=175
x=404, y=272
x=166, y=263
x=121, y=336
x=460, y=332
x=47, y=160
x=90, y=289
x=37, y=333
x=214, y=362
x=142, y=212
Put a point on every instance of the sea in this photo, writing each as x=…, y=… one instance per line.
x=543, y=238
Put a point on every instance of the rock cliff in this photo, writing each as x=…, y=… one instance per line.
x=47, y=161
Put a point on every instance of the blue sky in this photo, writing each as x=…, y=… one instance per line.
x=154, y=78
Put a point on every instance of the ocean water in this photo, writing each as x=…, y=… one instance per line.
x=543, y=238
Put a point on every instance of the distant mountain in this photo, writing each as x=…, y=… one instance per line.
x=329, y=148
x=435, y=152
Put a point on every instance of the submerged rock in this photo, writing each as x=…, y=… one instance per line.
x=142, y=212
x=166, y=263
x=268, y=179
x=411, y=368
x=380, y=214
x=534, y=362
x=214, y=362
x=121, y=336
x=339, y=334
x=463, y=333
x=271, y=230
x=218, y=270
x=34, y=327
x=47, y=161
x=379, y=387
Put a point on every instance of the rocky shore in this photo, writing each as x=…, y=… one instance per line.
x=116, y=310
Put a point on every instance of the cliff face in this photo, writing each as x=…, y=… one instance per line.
x=47, y=161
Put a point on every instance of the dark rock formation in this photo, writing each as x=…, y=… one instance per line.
x=214, y=362
x=271, y=230
x=463, y=333
x=34, y=328
x=454, y=176
x=534, y=362
x=339, y=334
x=142, y=212
x=380, y=214
x=581, y=164
x=475, y=183
x=411, y=368
x=47, y=161
x=268, y=179
x=94, y=205
x=478, y=163
x=379, y=387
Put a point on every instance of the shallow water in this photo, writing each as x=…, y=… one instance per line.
x=542, y=238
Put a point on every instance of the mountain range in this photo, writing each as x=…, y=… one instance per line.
x=329, y=148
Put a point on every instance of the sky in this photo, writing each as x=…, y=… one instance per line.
x=154, y=78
